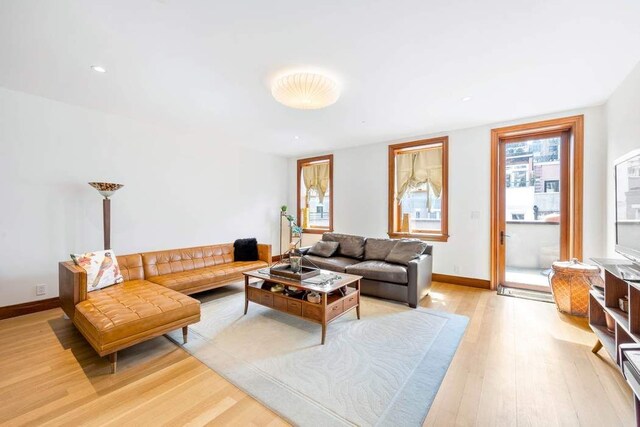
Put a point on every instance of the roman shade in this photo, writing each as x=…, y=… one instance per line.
x=316, y=178
x=417, y=168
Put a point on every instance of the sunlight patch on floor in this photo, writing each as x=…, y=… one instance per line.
x=528, y=276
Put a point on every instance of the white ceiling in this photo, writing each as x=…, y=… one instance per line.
x=205, y=66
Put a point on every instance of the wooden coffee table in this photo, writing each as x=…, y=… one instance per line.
x=330, y=308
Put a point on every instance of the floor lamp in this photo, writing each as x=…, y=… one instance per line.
x=106, y=189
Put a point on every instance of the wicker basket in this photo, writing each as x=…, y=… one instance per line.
x=570, y=283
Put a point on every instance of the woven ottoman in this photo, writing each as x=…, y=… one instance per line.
x=570, y=284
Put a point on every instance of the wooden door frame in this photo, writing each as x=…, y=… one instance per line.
x=574, y=126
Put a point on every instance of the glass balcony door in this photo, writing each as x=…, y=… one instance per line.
x=533, y=214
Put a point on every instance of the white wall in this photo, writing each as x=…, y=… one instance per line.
x=360, y=194
x=179, y=190
x=623, y=135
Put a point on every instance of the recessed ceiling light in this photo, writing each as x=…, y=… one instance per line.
x=296, y=137
x=98, y=69
x=466, y=98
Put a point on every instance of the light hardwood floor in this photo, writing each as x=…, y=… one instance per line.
x=520, y=363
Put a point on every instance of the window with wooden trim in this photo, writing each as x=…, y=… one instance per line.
x=315, y=194
x=418, y=189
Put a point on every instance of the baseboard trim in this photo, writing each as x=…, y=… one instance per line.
x=28, y=307
x=463, y=281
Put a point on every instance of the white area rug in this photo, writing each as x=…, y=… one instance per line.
x=384, y=369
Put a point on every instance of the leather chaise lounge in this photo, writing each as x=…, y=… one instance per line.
x=153, y=299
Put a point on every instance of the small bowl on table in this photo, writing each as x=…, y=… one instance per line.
x=277, y=288
x=314, y=297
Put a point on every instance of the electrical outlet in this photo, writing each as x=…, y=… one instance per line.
x=456, y=269
x=41, y=289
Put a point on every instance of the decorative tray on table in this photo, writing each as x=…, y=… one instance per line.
x=284, y=270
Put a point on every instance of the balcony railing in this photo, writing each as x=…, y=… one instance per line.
x=532, y=244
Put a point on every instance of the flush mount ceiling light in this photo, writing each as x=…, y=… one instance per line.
x=466, y=99
x=305, y=91
x=98, y=69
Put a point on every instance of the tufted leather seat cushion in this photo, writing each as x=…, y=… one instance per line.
x=185, y=281
x=130, y=312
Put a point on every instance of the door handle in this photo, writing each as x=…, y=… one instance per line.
x=502, y=236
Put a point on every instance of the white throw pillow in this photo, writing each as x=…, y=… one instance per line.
x=101, y=267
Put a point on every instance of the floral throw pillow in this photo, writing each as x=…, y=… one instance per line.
x=101, y=267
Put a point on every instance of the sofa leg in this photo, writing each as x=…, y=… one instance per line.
x=413, y=305
x=185, y=332
x=113, y=359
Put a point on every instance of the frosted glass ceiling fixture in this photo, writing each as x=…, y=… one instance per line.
x=305, y=91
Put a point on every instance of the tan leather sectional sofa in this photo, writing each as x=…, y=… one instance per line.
x=153, y=299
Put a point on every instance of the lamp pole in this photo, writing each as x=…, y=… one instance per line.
x=106, y=222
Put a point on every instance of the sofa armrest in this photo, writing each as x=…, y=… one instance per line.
x=264, y=253
x=72, y=286
x=419, y=272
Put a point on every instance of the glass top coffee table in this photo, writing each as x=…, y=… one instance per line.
x=340, y=294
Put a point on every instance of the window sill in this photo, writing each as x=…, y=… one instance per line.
x=316, y=230
x=421, y=236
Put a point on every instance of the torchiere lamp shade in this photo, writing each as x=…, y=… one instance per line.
x=106, y=189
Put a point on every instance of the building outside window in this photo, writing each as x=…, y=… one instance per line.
x=533, y=180
x=552, y=186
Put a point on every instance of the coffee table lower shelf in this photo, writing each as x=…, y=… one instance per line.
x=329, y=309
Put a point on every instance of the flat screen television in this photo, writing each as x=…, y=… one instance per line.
x=627, y=172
